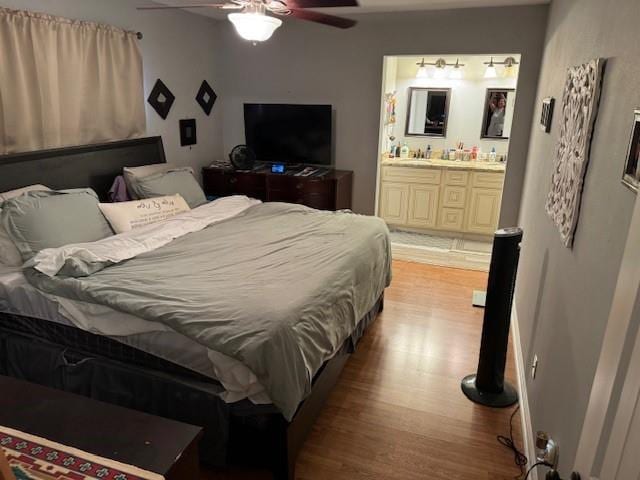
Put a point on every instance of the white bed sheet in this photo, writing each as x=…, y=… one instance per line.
x=19, y=297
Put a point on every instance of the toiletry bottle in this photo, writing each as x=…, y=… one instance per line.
x=492, y=155
x=397, y=153
x=404, y=152
x=392, y=153
x=428, y=153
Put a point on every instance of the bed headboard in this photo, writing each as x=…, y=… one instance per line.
x=92, y=166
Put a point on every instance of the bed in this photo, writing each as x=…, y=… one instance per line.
x=109, y=352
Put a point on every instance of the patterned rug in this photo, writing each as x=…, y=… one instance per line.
x=35, y=458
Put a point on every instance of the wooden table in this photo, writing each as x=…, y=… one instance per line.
x=151, y=443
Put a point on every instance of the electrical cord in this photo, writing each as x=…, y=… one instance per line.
x=519, y=458
x=537, y=464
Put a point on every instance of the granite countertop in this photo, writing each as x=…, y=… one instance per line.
x=448, y=164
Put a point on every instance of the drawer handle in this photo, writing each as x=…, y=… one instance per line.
x=233, y=180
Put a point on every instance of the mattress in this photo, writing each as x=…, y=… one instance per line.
x=18, y=297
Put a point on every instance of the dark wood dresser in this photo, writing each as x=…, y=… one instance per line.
x=328, y=192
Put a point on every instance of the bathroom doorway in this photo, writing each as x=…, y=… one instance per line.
x=443, y=152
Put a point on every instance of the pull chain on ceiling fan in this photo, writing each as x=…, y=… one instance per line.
x=252, y=22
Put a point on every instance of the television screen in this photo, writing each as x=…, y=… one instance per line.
x=289, y=133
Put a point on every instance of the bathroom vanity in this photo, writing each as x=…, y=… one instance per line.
x=460, y=198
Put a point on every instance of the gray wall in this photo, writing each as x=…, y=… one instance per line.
x=308, y=63
x=178, y=47
x=563, y=296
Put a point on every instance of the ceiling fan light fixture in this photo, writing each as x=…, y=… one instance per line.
x=255, y=27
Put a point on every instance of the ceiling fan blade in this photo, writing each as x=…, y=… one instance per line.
x=317, y=17
x=224, y=6
x=321, y=3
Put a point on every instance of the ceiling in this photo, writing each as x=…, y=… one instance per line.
x=386, y=5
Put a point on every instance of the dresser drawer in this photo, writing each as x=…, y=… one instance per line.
x=454, y=197
x=487, y=180
x=453, y=177
x=411, y=175
x=451, y=219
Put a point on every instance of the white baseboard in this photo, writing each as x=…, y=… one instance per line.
x=525, y=414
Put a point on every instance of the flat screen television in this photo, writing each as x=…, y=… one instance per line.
x=283, y=133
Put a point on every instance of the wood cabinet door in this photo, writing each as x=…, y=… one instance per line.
x=423, y=206
x=484, y=210
x=393, y=202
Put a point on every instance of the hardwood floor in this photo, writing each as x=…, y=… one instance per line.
x=397, y=411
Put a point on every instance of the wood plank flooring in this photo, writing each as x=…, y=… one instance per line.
x=397, y=411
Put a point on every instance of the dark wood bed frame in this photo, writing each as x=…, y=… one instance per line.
x=96, y=166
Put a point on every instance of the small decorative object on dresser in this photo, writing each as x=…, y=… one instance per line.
x=206, y=97
x=161, y=99
x=546, y=117
x=188, y=132
x=579, y=110
x=631, y=174
x=242, y=157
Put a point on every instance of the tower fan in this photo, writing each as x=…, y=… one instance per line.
x=487, y=386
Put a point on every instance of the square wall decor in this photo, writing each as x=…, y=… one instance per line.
x=188, y=132
x=206, y=97
x=161, y=99
x=579, y=109
x=631, y=174
x=546, y=117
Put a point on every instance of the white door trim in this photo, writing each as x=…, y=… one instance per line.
x=619, y=322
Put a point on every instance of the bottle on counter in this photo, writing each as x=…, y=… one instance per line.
x=493, y=155
x=427, y=154
x=404, y=151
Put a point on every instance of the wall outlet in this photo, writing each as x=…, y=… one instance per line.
x=534, y=367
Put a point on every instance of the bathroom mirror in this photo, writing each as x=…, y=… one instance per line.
x=428, y=112
x=498, y=113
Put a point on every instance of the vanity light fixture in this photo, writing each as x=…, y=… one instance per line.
x=440, y=64
x=456, y=72
x=509, y=67
x=491, y=71
x=422, y=70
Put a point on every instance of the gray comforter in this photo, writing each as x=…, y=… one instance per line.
x=278, y=287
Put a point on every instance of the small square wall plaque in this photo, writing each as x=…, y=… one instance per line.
x=188, y=132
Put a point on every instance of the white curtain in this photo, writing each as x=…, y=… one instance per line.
x=66, y=82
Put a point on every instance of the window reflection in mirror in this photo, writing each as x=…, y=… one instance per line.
x=498, y=113
x=428, y=111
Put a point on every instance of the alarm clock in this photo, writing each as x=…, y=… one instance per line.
x=278, y=168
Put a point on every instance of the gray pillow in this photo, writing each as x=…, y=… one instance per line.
x=179, y=181
x=132, y=174
x=39, y=220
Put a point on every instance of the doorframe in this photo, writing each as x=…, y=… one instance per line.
x=618, y=328
x=381, y=137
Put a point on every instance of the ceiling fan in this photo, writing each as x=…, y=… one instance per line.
x=252, y=22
